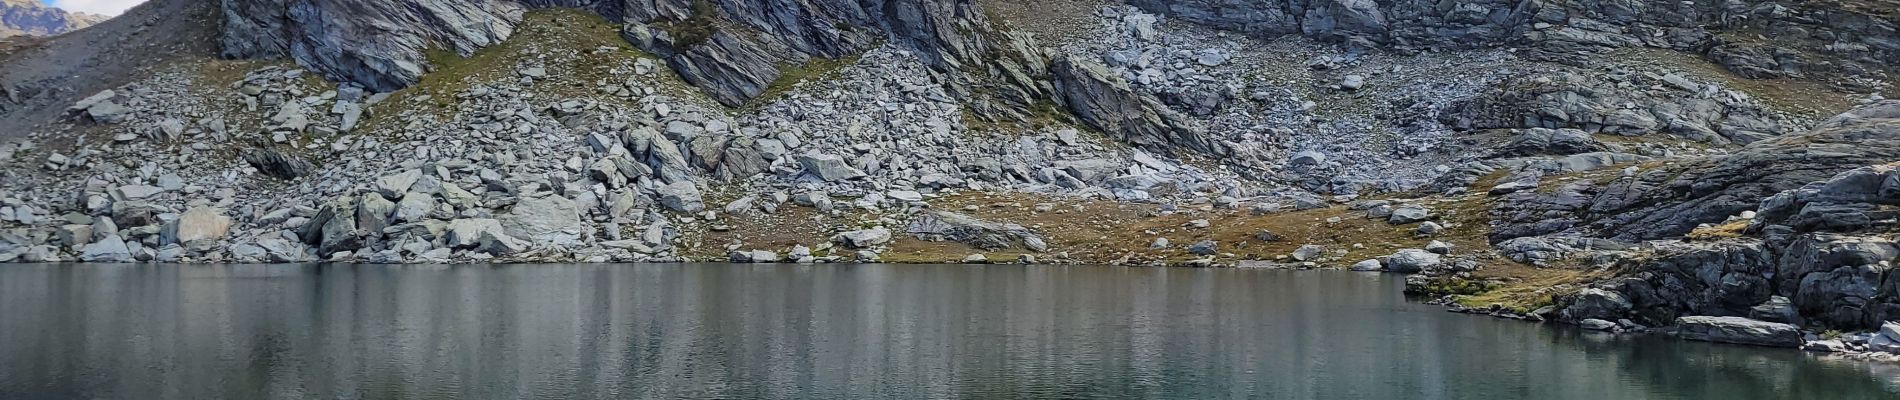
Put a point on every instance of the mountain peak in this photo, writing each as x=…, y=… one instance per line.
x=31, y=18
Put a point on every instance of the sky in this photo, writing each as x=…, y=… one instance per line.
x=102, y=7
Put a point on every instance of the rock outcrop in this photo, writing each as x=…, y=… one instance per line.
x=949, y=226
x=1739, y=331
x=1820, y=252
x=1575, y=30
x=731, y=49
x=1673, y=106
x=1669, y=202
x=1105, y=101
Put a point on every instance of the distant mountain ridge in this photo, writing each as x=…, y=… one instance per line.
x=29, y=17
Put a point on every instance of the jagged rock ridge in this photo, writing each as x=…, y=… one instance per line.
x=732, y=49
x=1853, y=41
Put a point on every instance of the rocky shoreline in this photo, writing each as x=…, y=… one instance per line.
x=1618, y=169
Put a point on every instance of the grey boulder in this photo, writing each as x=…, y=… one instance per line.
x=1411, y=260
x=682, y=196
x=1739, y=330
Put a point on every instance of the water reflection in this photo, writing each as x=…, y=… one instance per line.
x=871, y=331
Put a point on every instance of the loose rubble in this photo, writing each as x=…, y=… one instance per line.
x=1480, y=138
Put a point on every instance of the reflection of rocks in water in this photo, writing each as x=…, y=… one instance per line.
x=1718, y=371
x=826, y=331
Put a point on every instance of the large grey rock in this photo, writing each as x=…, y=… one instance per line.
x=1105, y=101
x=1739, y=330
x=1594, y=303
x=334, y=227
x=830, y=168
x=1409, y=213
x=501, y=244
x=393, y=186
x=198, y=224
x=545, y=219
x=277, y=163
x=373, y=213
x=281, y=250
x=468, y=233
x=1776, y=309
x=1852, y=201
x=1542, y=141
x=110, y=249
x=414, y=207
x=862, y=239
x=1411, y=261
x=944, y=225
x=1543, y=250
x=752, y=256
x=1597, y=325
x=658, y=153
x=1204, y=248
x=682, y=196
x=1834, y=280
x=1309, y=252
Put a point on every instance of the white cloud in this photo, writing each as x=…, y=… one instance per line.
x=103, y=7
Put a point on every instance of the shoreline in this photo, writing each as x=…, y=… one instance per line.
x=1837, y=347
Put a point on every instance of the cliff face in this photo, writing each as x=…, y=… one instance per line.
x=29, y=17
x=735, y=50
x=1753, y=38
x=732, y=49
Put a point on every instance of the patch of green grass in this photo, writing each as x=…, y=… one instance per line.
x=557, y=29
x=791, y=74
x=693, y=30
x=1446, y=285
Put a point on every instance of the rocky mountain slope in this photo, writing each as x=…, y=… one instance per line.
x=30, y=18
x=1589, y=162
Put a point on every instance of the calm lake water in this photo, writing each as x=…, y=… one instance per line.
x=846, y=331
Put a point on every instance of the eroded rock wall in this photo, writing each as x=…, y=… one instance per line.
x=1802, y=38
x=1668, y=202
x=733, y=49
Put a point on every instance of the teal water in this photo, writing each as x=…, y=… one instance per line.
x=827, y=332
